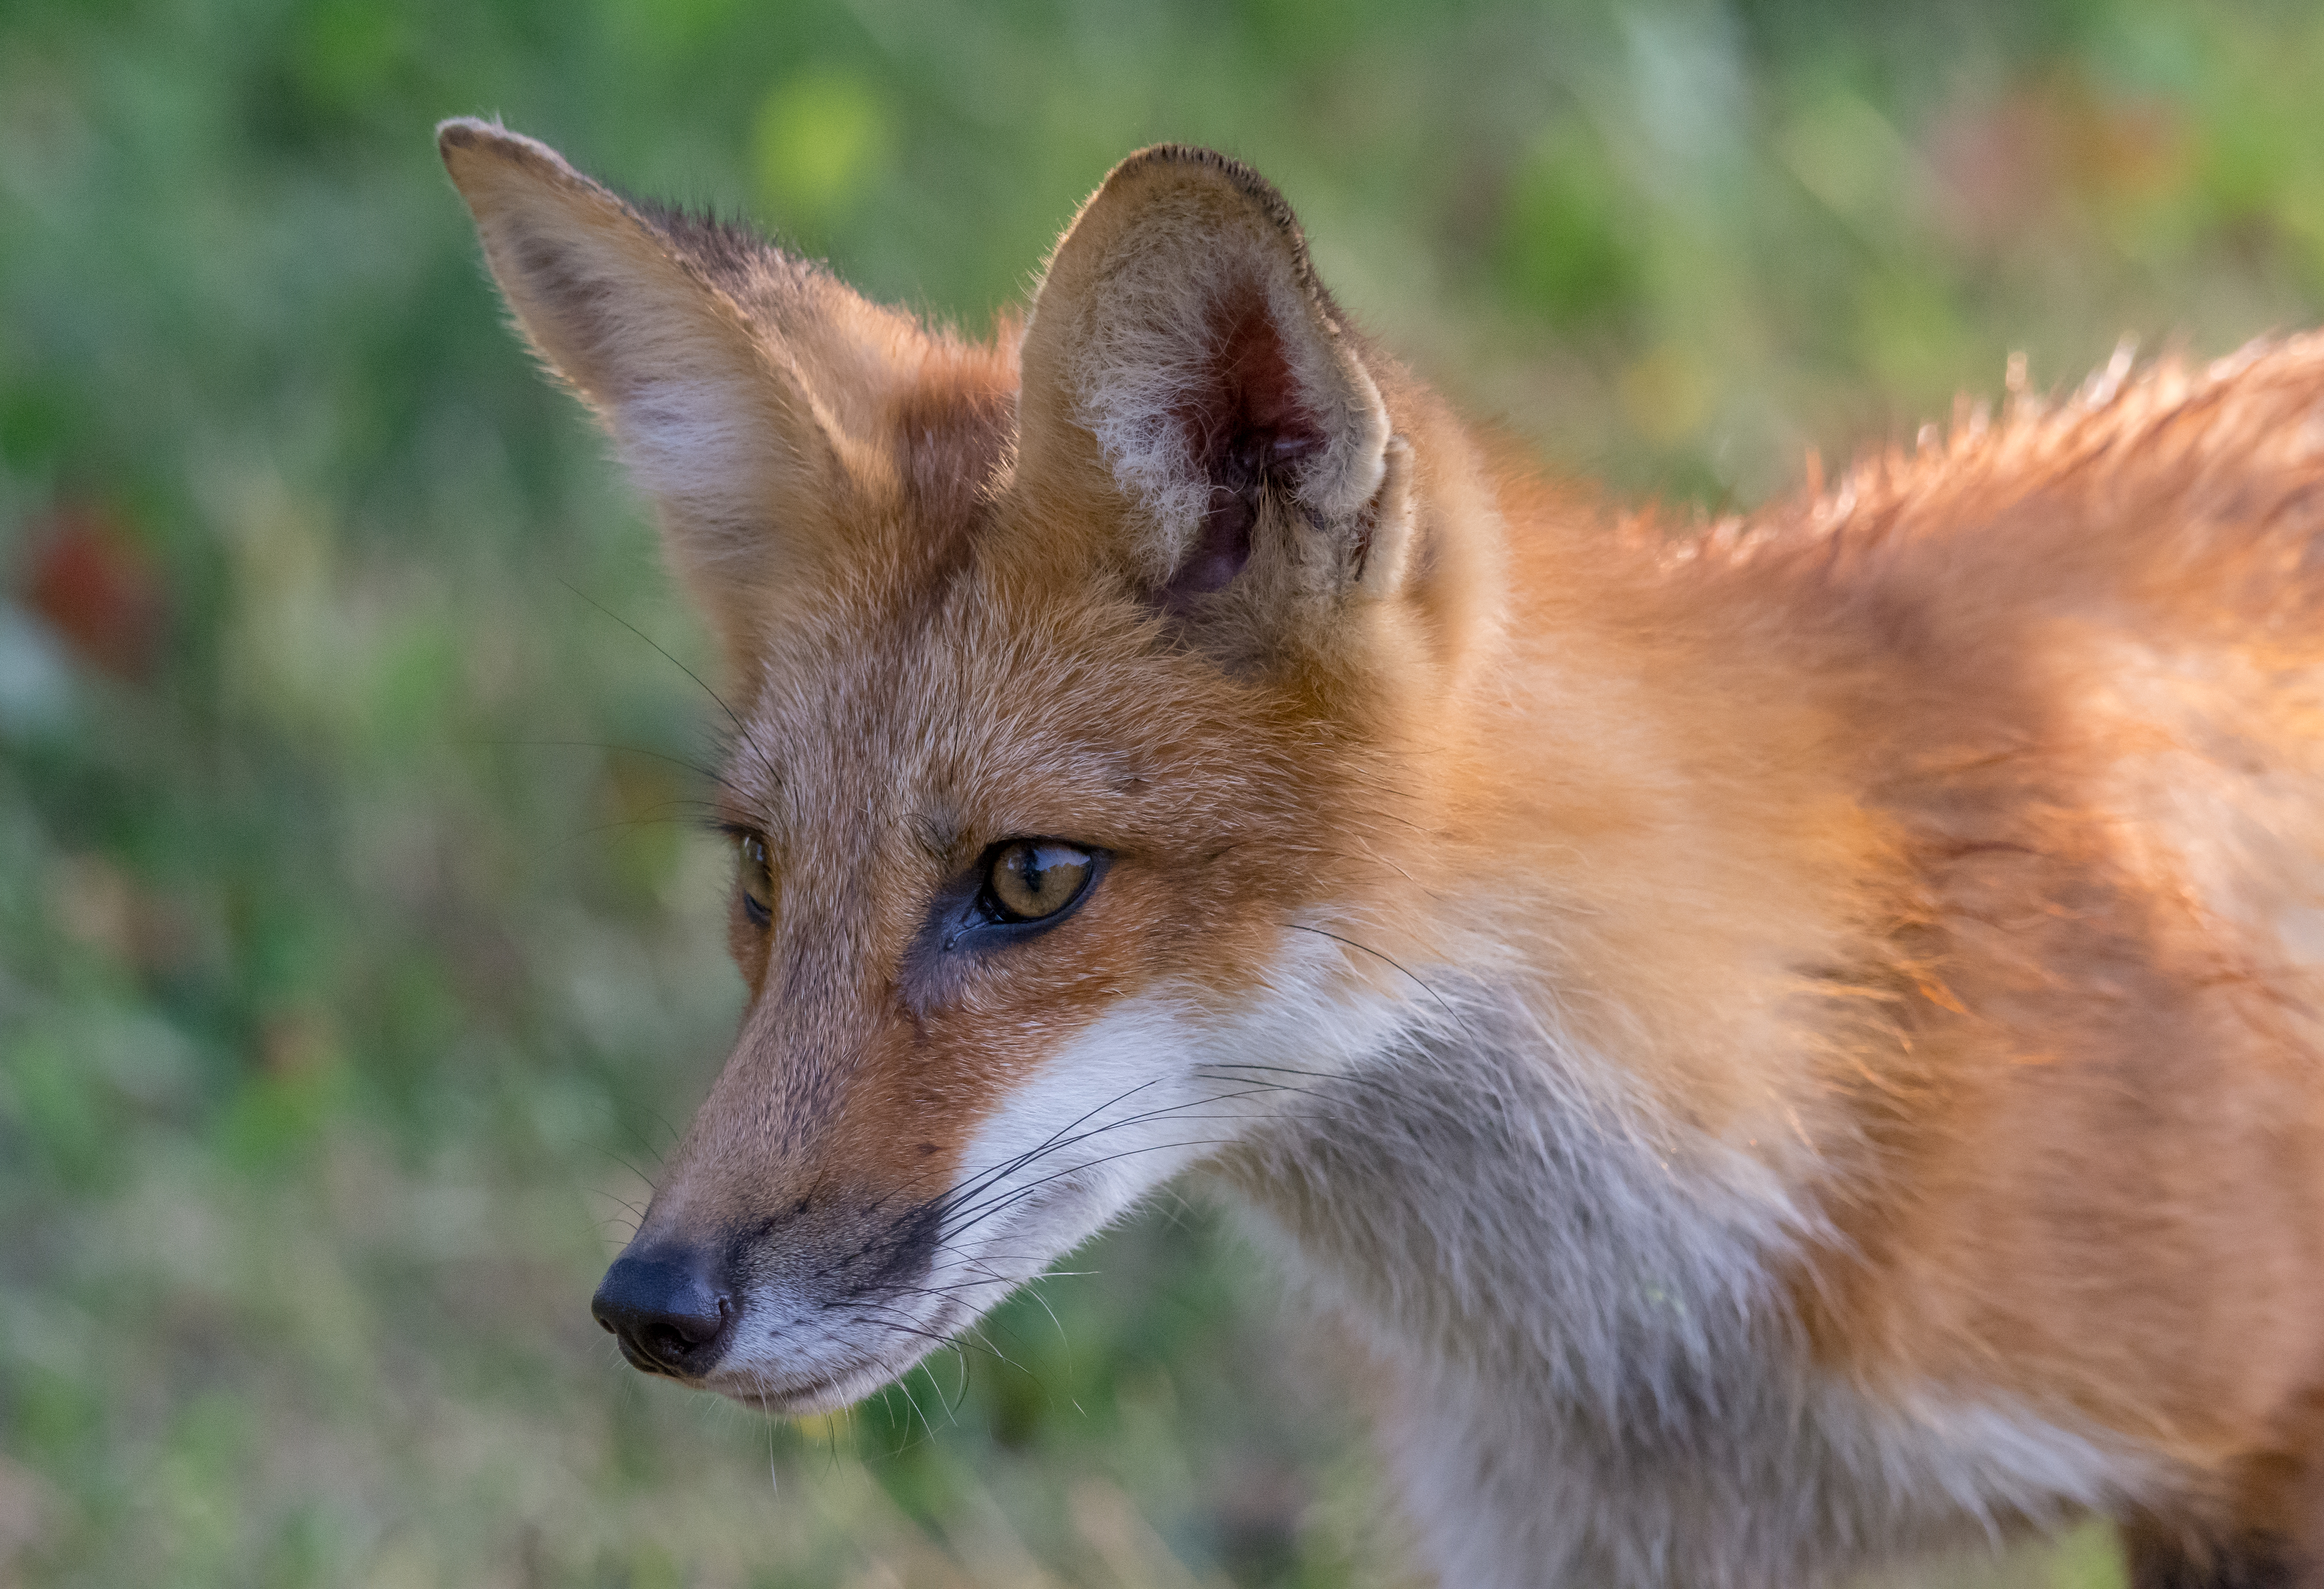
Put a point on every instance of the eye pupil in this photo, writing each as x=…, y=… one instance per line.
x=1033, y=878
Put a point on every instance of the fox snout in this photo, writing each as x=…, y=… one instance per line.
x=763, y=1298
x=804, y=1201
x=775, y=1309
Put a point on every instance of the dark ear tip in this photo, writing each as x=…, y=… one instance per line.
x=1193, y=159
x=467, y=138
x=1176, y=154
x=1235, y=171
x=460, y=132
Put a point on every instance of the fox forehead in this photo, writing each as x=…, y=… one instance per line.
x=974, y=693
x=921, y=749
x=880, y=690
x=930, y=729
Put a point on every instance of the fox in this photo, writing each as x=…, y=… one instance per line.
x=1783, y=1044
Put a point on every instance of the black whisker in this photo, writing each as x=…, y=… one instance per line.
x=1376, y=955
x=1021, y=1194
x=651, y=641
x=1058, y=1143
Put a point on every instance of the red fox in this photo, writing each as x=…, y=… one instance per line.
x=1789, y=1047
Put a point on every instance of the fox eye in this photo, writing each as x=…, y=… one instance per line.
x=1028, y=879
x=755, y=879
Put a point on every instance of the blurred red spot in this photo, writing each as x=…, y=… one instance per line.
x=2048, y=151
x=98, y=589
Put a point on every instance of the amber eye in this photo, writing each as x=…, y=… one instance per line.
x=753, y=878
x=1031, y=878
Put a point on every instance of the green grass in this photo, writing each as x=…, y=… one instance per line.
x=358, y=951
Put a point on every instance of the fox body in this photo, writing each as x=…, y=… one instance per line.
x=1788, y=1047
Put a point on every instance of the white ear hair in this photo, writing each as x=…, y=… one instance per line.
x=1147, y=311
x=1152, y=340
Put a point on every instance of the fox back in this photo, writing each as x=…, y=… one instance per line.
x=1789, y=1044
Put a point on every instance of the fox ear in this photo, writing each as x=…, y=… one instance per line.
x=1182, y=358
x=709, y=402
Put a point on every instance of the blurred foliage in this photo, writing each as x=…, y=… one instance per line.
x=357, y=947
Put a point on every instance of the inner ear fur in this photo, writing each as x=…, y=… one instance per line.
x=739, y=384
x=1184, y=362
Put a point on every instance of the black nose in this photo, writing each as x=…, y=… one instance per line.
x=670, y=1309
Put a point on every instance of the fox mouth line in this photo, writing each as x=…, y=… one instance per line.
x=881, y=1337
x=773, y=1390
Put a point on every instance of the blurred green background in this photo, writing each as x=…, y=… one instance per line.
x=358, y=945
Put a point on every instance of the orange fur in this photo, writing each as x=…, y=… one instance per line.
x=1940, y=850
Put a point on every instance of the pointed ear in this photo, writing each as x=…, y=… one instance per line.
x=687, y=340
x=1183, y=361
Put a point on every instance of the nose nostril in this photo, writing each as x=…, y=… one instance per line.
x=666, y=1310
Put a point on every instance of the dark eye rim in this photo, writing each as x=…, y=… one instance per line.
x=980, y=921
x=761, y=917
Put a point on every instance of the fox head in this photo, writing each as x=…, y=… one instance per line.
x=1087, y=685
